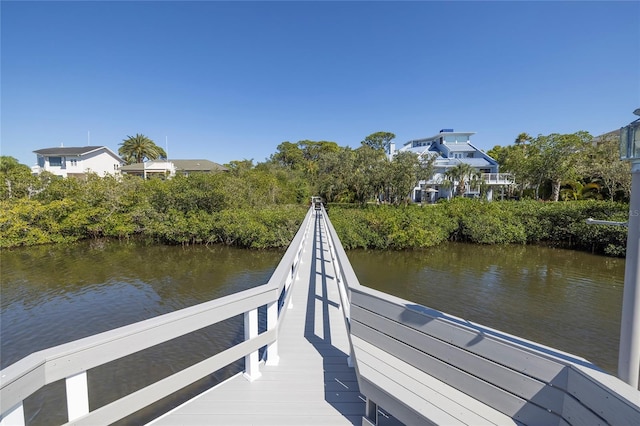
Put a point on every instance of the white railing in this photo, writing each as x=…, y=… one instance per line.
x=497, y=178
x=419, y=364
x=427, y=367
x=345, y=276
x=71, y=361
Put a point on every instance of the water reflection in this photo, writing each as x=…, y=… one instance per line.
x=564, y=299
x=55, y=294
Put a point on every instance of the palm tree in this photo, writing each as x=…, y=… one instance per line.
x=523, y=138
x=461, y=173
x=136, y=148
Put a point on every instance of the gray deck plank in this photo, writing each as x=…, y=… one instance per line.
x=312, y=384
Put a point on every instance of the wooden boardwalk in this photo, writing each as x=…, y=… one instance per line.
x=312, y=383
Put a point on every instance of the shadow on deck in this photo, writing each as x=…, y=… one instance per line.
x=340, y=382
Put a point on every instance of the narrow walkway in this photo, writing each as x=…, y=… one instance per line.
x=312, y=384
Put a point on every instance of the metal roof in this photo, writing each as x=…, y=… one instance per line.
x=460, y=147
x=475, y=162
x=69, y=150
x=197, y=165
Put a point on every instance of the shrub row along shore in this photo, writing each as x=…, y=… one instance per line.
x=25, y=222
x=29, y=222
x=559, y=224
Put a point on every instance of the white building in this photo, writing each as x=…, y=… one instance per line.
x=449, y=149
x=169, y=168
x=77, y=161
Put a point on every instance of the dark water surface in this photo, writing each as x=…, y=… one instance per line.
x=55, y=294
x=565, y=299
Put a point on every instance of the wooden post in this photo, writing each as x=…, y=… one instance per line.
x=251, y=361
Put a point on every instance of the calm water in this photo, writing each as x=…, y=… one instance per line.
x=564, y=299
x=55, y=294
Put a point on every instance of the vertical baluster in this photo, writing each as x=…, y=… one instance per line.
x=287, y=286
x=371, y=412
x=251, y=361
x=272, y=323
x=14, y=417
x=77, y=395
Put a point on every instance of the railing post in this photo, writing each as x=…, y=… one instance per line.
x=287, y=285
x=251, y=361
x=14, y=417
x=77, y=395
x=272, y=323
x=371, y=412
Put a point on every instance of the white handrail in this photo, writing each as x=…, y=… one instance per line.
x=345, y=277
x=70, y=361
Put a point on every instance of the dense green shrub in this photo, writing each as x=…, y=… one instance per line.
x=201, y=208
x=258, y=228
x=389, y=227
x=257, y=208
x=485, y=223
x=560, y=224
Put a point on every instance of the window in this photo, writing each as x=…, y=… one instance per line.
x=55, y=161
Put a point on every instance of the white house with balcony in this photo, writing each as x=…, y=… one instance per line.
x=449, y=149
x=170, y=168
x=77, y=161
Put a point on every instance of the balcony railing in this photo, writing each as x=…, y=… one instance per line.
x=498, y=178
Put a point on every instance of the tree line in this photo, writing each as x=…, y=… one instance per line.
x=566, y=167
x=260, y=205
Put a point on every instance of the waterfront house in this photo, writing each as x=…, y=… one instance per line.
x=450, y=148
x=77, y=161
x=170, y=168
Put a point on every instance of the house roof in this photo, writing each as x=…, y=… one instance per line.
x=179, y=165
x=198, y=166
x=148, y=166
x=461, y=147
x=68, y=150
x=474, y=162
x=612, y=134
x=75, y=150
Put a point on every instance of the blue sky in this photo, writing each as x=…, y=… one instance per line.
x=232, y=80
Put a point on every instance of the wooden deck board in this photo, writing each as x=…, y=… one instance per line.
x=312, y=384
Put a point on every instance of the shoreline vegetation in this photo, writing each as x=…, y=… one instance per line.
x=261, y=206
x=27, y=222
x=553, y=224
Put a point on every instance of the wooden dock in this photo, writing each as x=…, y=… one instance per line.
x=312, y=383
